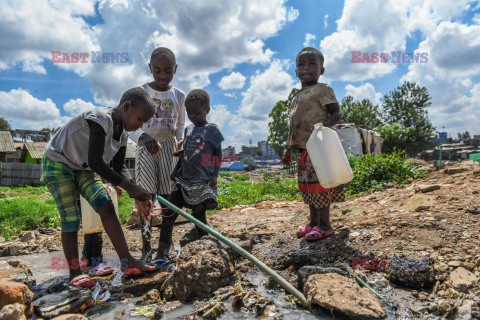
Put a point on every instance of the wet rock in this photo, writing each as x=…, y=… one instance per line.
x=335, y=248
x=250, y=300
x=72, y=316
x=151, y=297
x=338, y=294
x=16, y=270
x=305, y=272
x=56, y=304
x=164, y=308
x=461, y=279
x=412, y=273
x=28, y=236
x=15, y=292
x=202, y=268
x=13, y=311
x=426, y=187
x=139, y=286
x=188, y=237
x=52, y=285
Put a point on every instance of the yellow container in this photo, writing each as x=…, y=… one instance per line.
x=91, y=222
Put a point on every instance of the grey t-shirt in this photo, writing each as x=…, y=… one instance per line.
x=70, y=144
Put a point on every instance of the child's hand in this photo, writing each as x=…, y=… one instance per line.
x=138, y=193
x=287, y=157
x=118, y=190
x=179, y=148
x=213, y=182
x=152, y=145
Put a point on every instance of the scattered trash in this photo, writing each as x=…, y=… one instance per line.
x=147, y=311
x=97, y=298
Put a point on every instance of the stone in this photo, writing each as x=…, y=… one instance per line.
x=166, y=307
x=338, y=294
x=16, y=270
x=15, y=292
x=454, y=264
x=11, y=249
x=151, y=297
x=305, y=272
x=72, y=316
x=13, y=311
x=465, y=310
x=138, y=286
x=455, y=170
x=426, y=188
x=28, y=236
x=333, y=249
x=413, y=273
x=202, y=268
x=461, y=279
x=56, y=304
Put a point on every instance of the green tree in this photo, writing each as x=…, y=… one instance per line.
x=405, y=114
x=363, y=113
x=4, y=124
x=278, y=127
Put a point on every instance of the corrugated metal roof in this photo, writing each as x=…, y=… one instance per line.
x=130, y=152
x=6, y=142
x=36, y=149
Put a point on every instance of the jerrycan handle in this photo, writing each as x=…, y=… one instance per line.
x=318, y=126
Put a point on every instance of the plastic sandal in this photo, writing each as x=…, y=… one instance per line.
x=82, y=281
x=101, y=269
x=160, y=263
x=303, y=231
x=132, y=272
x=317, y=234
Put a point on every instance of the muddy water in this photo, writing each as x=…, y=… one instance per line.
x=41, y=267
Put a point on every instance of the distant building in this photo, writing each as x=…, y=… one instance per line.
x=32, y=152
x=249, y=151
x=6, y=145
x=267, y=151
x=21, y=135
x=229, y=151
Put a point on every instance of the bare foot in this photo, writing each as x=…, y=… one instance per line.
x=74, y=273
x=141, y=265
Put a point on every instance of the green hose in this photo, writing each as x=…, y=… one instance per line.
x=285, y=284
x=366, y=285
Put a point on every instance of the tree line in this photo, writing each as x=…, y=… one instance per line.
x=401, y=119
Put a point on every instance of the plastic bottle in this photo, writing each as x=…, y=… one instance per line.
x=91, y=222
x=328, y=157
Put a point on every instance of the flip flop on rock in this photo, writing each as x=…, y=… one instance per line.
x=160, y=263
x=317, y=234
x=82, y=281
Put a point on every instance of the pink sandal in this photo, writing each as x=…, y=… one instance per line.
x=317, y=234
x=303, y=231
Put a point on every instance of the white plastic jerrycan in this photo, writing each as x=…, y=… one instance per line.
x=91, y=222
x=328, y=157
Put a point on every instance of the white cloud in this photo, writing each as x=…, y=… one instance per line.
x=266, y=88
x=325, y=21
x=206, y=38
x=230, y=94
x=235, y=80
x=364, y=91
x=309, y=40
x=26, y=111
x=74, y=107
x=220, y=115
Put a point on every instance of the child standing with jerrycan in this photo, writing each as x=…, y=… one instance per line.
x=77, y=158
x=152, y=172
x=314, y=103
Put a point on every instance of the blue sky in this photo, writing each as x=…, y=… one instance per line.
x=242, y=52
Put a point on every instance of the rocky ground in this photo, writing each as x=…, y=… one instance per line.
x=417, y=245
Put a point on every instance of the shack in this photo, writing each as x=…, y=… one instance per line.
x=6, y=145
x=32, y=152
